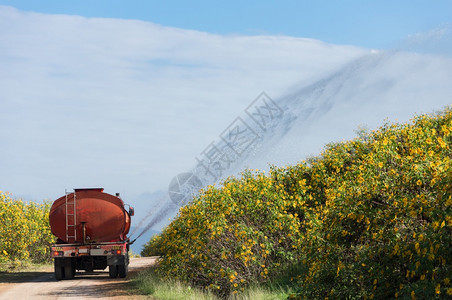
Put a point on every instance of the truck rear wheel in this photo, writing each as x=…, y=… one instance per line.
x=69, y=271
x=59, y=272
x=113, y=271
x=123, y=270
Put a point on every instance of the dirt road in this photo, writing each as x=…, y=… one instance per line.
x=84, y=286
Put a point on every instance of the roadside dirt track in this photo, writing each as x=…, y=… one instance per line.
x=84, y=286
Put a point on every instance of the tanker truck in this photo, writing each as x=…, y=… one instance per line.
x=91, y=229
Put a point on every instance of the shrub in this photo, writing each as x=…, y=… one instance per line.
x=25, y=232
x=153, y=246
x=382, y=228
x=368, y=218
x=232, y=236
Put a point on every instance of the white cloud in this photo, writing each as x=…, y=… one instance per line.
x=388, y=86
x=128, y=104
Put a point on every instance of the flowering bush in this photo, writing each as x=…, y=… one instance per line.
x=231, y=236
x=382, y=228
x=153, y=246
x=25, y=232
x=368, y=218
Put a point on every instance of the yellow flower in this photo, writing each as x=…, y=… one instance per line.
x=438, y=289
x=396, y=249
x=339, y=267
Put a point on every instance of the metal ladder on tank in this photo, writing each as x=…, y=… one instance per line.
x=71, y=218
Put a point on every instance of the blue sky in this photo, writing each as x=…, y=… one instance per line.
x=371, y=24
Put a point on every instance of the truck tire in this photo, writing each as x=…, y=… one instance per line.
x=113, y=271
x=74, y=269
x=59, y=272
x=69, y=272
x=123, y=270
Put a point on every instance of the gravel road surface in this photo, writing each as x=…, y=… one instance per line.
x=84, y=286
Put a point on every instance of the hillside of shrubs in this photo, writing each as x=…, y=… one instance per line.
x=24, y=232
x=369, y=218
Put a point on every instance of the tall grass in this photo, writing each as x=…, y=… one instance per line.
x=149, y=282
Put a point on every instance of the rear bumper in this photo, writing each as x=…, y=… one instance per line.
x=111, y=249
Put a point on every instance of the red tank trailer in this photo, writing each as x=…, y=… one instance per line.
x=91, y=227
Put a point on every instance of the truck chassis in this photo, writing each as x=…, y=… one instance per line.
x=68, y=258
